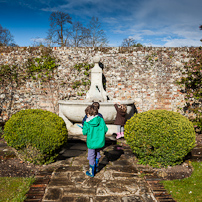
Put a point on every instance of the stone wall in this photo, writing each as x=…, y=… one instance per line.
x=146, y=75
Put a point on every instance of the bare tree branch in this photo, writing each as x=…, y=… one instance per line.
x=59, y=27
x=6, y=38
x=97, y=35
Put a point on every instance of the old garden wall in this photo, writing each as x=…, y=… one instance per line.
x=146, y=75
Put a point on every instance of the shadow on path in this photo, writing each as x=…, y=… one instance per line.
x=77, y=147
x=111, y=155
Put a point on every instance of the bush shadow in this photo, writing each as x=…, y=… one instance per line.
x=77, y=147
x=110, y=156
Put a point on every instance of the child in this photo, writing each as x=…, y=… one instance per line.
x=120, y=119
x=95, y=104
x=95, y=129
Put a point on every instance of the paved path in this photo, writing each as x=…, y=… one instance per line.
x=119, y=177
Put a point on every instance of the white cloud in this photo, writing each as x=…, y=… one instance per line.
x=182, y=42
x=158, y=19
x=38, y=39
x=151, y=45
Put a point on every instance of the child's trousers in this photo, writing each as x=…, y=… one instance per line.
x=92, y=155
x=120, y=128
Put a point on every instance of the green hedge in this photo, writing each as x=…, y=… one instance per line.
x=160, y=137
x=36, y=134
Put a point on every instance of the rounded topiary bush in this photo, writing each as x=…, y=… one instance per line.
x=160, y=137
x=36, y=135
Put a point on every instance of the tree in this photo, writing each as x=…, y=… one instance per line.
x=79, y=34
x=6, y=38
x=59, y=31
x=138, y=45
x=97, y=35
x=200, y=27
x=128, y=42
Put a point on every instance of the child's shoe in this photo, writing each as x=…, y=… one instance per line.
x=118, y=135
x=91, y=171
x=96, y=165
x=122, y=134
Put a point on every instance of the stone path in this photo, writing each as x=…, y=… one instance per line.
x=119, y=179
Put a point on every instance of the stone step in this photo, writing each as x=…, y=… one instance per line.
x=197, y=151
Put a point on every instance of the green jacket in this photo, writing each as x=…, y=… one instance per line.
x=95, y=130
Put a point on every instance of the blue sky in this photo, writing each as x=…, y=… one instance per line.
x=169, y=23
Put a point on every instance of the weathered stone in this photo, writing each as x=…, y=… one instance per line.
x=107, y=199
x=91, y=182
x=79, y=191
x=61, y=182
x=131, y=199
x=68, y=168
x=75, y=199
x=124, y=175
x=53, y=194
x=127, y=169
x=80, y=161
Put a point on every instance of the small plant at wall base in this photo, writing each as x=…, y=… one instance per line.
x=192, y=81
x=160, y=138
x=36, y=135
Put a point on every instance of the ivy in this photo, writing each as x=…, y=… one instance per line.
x=192, y=82
x=15, y=75
x=76, y=84
x=83, y=71
x=40, y=68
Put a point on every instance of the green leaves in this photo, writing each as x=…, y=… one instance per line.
x=160, y=137
x=84, y=70
x=36, y=134
x=192, y=81
x=40, y=68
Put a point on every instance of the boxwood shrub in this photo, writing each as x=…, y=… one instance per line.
x=160, y=138
x=36, y=135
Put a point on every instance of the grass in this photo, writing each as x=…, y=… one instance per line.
x=187, y=189
x=14, y=189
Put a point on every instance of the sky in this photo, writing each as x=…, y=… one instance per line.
x=156, y=23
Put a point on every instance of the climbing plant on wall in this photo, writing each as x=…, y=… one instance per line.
x=83, y=69
x=40, y=68
x=37, y=67
x=192, y=81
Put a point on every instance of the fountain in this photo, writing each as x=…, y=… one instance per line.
x=73, y=111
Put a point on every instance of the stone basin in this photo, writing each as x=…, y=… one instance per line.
x=73, y=112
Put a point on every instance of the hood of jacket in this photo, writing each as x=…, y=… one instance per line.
x=95, y=121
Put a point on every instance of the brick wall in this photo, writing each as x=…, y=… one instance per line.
x=145, y=75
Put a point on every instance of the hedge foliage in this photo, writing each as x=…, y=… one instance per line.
x=160, y=138
x=36, y=135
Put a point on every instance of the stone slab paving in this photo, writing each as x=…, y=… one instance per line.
x=119, y=177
